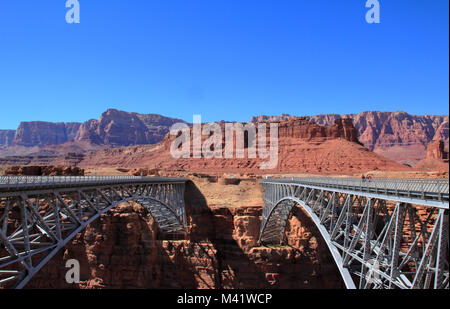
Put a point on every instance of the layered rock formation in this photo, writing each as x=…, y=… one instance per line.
x=44, y=171
x=114, y=128
x=303, y=128
x=302, y=147
x=39, y=133
x=43, y=159
x=396, y=135
x=436, y=151
x=118, y=128
x=437, y=157
x=6, y=137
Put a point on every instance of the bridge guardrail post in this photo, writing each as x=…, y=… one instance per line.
x=423, y=193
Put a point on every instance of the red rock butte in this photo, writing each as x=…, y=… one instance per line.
x=304, y=146
x=397, y=136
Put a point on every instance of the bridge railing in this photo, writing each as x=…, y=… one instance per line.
x=421, y=188
x=11, y=181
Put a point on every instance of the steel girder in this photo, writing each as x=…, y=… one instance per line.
x=375, y=241
x=37, y=222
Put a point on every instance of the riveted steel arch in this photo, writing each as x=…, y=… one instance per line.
x=376, y=235
x=40, y=215
x=291, y=203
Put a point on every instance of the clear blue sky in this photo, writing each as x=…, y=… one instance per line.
x=223, y=59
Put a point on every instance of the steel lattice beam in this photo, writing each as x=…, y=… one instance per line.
x=39, y=216
x=376, y=237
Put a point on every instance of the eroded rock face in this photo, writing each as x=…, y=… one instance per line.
x=316, y=149
x=44, y=171
x=118, y=128
x=388, y=129
x=435, y=150
x=39, y=133
x=300, y=128
x=67, y=159
x=303, y=146
x=303, y=128
x=121, y=250
x=441, y=133
x=6, y=137
x=437, y=158
x=396, y=135
x=114, y=128
x=145, y=172
x=116, y=251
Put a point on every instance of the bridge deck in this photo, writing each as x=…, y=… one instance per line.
x=428, y=192
x=21, y=183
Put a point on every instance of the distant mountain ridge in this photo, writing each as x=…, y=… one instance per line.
x=114, y=128
x=6, y=137
x=303, y=147
x=397, y=135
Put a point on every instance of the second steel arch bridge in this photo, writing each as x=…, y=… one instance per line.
x=385, y=233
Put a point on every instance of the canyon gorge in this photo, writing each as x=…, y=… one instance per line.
x=124, y=250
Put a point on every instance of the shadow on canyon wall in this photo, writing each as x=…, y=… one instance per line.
x=224, y=252
x=217, y=258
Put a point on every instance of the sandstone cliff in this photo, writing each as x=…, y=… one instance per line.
x=303, y=128
x=44, y=171
x=437, y=157
x=114, y=128
x=118, y=128
x=6, y=137
x=303, y=147
x=39, y=133
x=396, y=135
x=436, y=150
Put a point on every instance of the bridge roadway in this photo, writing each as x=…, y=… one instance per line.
x=383, y=233
x=39, y=215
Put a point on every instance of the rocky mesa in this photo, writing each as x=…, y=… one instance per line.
x=114, y=128
x=303, y=146
x=396, y=135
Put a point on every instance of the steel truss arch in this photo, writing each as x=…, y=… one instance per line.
x=375, y=242
x=37, y=220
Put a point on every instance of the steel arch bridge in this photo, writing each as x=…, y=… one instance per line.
x=382, y=233
x=39, y=215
